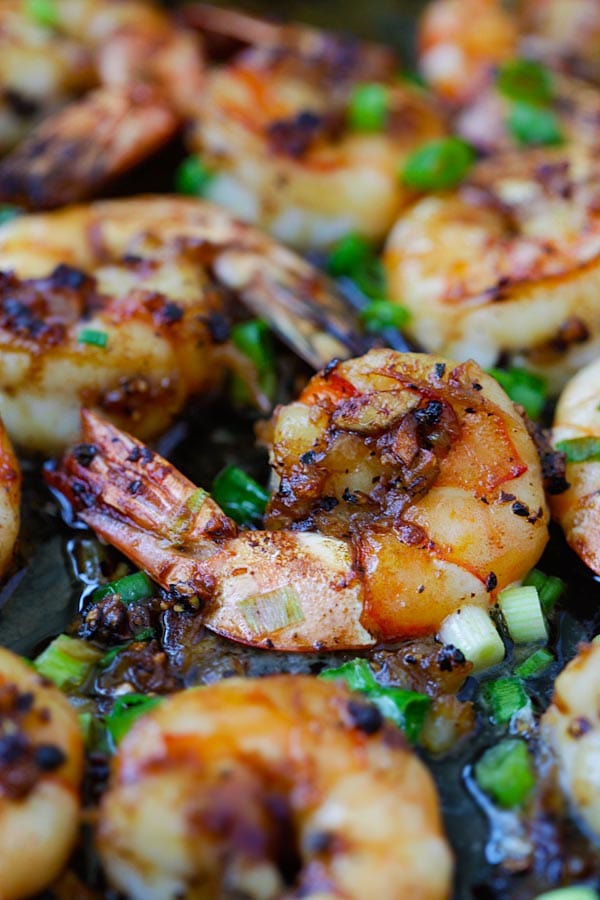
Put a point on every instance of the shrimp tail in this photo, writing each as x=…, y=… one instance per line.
x=134, y=499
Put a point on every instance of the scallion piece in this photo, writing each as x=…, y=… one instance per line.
x=8, y=213
x=85, y=726
x=550, y=588
x=580, y=449
x=271, y=611
x=369, y=107
x=253, y=338
x=438, y=165
x=193, y=177
x=67, y=660
x=381, y=314
x=505, y=697
x=44, y=12
x=407, y=709
x=126, y=711
x=131, y=588
x=472, y=631
x=505, y=772
x=535, y=664
x=523, y=614
x=533, y=125
x=355, y=257
x=239, y=496
x=356, y=673
x=523, y=387
x=109, y=657
x=525, y=79
x=580, y=892
x=93, y=337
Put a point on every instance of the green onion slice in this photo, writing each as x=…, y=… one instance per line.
x=8, y=213
x=505, y=697
x=505, y=772
x=523, y=387
x=533, y=125
x=525, y=79
x=381, y=314
x=580, y=449
x=369, y=107
x=356, y=673
x=193, y=177
x=67, y=660
x=131, y=588
x=472, y=631
x=239, y=496
x=253, y=338
x=93, y=337
x=126, y=711
x=535, y=664
x=145, y=635
x=44, y=12
x=522, y=611
x=355, y=257
x=271, y=611
x=580, y=892
x=438, y=165
x=550, y=588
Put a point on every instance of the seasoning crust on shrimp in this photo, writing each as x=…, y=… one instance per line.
x=408, y=485
x=250, y=773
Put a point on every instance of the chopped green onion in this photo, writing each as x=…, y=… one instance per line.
x=369, y=107
x=407, y=709
x=523, y=387
x=130, y=588
x=146, y=635
x=580, y=449
x=550, y=588
x=8, y=213
x=239, y=496
x=505, y=697
x=581, y=892
x=355, y=257
x=193, y=177
x=253, y=338
x=125, y=712
x=595, y=640
x=522, y=611
x=438, y=165
x=533, y=125
x=525, y=79
x=267, y=613
x=93, y=337
x=67, y=660
x=44, y=12
x=535, y=664
x=472, y=631
x=356, y=673
x=381, y=314
x=85, y=726
x=505, y=772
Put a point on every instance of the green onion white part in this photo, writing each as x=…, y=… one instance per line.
x=523, y=614
x=472, y=631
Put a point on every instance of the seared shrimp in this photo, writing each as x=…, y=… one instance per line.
x=408, y=485
x=123, y=306
x=270, y=788
x=274, y=132
x=571, y=727
x=10, y=500
x=507, y=265
x=41, y=766
x=577, y=418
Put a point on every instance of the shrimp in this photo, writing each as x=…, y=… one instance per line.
x=507, y=265
x=41, y=767
x=571, y=727
x=124, y=306
x=577, y=417
x=274, y=133
x=267, y=788
x=566, y=32
x=10, y=500
x=408, y=485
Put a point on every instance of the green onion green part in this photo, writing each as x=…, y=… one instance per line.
x=93, y=337
x=85, y=726
x=8, y=213
x=535, y=664
x=193, y=177
x=356, y=673
x=533, y=125
x=580, y=449
x=381, y=314
x=581, y=892
x=239, y=496
x=522, y=612
x=254, y=340
x=130, y=588
x=523, y=387
x=146, y=635
x=505, y=697
x=505, y=772
x=354, y=257
x=67, y=661
x=126, y=711
x=472, y=631
x=438, y=165
x=44, y=12
x=550, y=588
x=369, y=107
x=525, y=79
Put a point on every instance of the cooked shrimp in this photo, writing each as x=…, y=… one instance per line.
x=124, y=305
x=578, y=509
x=267, y=788
x=565, y=32
x=507, y=265
x=408, y=485
x=273, y=130
x=571, y=727
x=10, y=500
x=41, y=766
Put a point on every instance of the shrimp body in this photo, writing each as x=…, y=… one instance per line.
x=506, y=265
x=407, y=486
x=123, y=305
x=274, y=132
x=571, y=727
x=10, y=500
x=268, y=788
x=577, y=417
x=41, y=765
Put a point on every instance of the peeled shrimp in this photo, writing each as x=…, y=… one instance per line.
x=578, y=509
x=271, y=788
x=407, y=486
x=273, y=131
x=149, y=283
x=41, y=766
x=571, y=727
x=507, y=265
x=10, y=500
